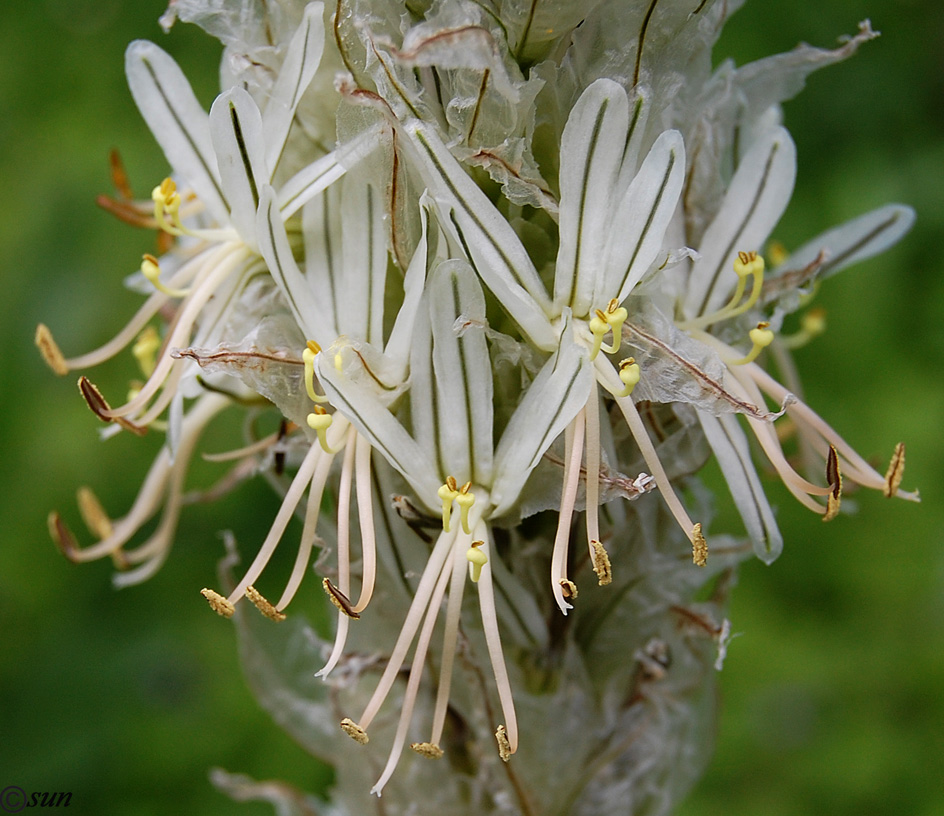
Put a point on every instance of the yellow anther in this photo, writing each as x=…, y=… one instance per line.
x=761, y=337
x=602, y=322
x=777, y=253
x=151, y=269
x=812, y=324
x=477, y=559
x=145, y=350
x=308, y=356
x=319, y=421
x=465, y=500
x=746, y=265
x=629, y=376
x=448, y=493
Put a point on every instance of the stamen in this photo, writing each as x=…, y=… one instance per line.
x=465, y=500
x=100, y=407
x=62, y=537
x=354, y=731
x=747, y=264
x=504, y=748
x=812, y=324
x=339, y=599
x=448, y=493
x=151, y=269
x=319, y=421
x=895, y=472
x=218, y=603
x=145, y=350
x=699, y=547
x=834, y=480
x=592, y=450
x=602, y=322
x=573, y=446
x=312, y=349
x=761, y=337
x=568, y=589
x=365, y=514
x=259, y=601
x=427, y=749
x=477, y=559
x=93, y=514
x=601, y=563
x=50, y=351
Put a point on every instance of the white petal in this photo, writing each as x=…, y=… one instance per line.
x=554, y=398
x=730, y=446
x=642, y=217
x=591, y=151
x=298, y=68
x=463, y=372
x=845, y=245
x=308, y=182
x=322, y=232
x=364, y=244
x=179, y=124
x=275, y=249
x=363, y=407
x=490, y=242
x=752, y=206
x=236, y=130
x=638, y=117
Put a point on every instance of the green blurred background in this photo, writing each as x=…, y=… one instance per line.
x=832, y=697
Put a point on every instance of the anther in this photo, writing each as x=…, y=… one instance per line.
x=761, y=336
x=448, y=493
x=699, y=547
x=259, y=601
x=568, y=589
x=145, y=350
x=896, y=469
x=427, y=749
x=218, y=603
x=339, y=599
x=312, y=349
x=465, y=500
x=50, y=351
x=601, y=563
x=834, y=479
x=504, y=747
x=319, y=421
x=354, y=731
x=477, y=559
x=151, y=269
x=93, y=514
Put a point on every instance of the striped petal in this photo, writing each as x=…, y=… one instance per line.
x=592, y=147
x=236, y=131
x=755, y=200
x=178, y=122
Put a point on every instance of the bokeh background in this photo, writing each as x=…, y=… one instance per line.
x=833, y=695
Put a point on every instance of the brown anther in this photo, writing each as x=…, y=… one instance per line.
x=465, y=488
x=62, y=536
x=218, y=603
x=599, y=313
x=317, y=409
x=151, y=259
x=93, y=514
x=451, y=483
x=118, y=175
x=699, y=547
x=896, y=469
x=99, y=405
x=259, y=601
x=612, y=306
x=313, y=347
x=568, y=589
x=427, y=749
x=763, y=324
x=601, y=563
x=834, y=478
x=627, y=362
x=747, y=257
x=354, y=731
x=50, y=351
x=504, y=747
x=339, y=599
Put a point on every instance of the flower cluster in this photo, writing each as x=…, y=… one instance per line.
x=499, y=266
